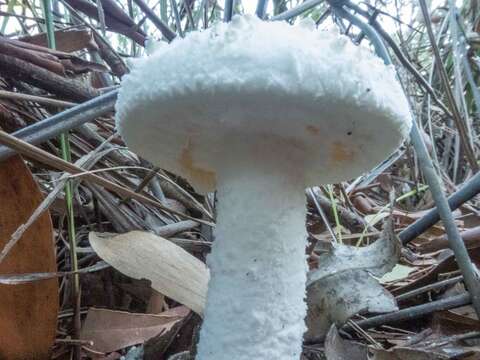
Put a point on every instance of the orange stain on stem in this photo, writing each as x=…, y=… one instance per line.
x=202, y=177
x=341, y=152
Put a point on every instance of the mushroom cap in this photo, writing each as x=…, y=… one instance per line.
x=292, y=88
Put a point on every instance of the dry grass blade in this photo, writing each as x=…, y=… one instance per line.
x=16, y=279
x=54, y=161
x=42, y=207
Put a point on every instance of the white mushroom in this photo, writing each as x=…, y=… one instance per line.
x=260, y=110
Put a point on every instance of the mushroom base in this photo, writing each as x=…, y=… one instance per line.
x=255, y=304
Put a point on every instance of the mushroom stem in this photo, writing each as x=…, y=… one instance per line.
x=255, y=303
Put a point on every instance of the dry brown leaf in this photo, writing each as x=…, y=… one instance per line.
x=113, y=330
x=471, y=237
x=68, y=40
x=156, y=303
x=28, y=312
x=337, y=348
x=400, y=353
x=433, y=347
x=455, y=321
x=142, y=255
x=343, y=284
x=446, y=264
x=362, y=203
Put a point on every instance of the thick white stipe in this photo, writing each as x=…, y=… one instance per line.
x=255, y=303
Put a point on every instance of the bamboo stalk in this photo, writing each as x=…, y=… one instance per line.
x=261, y=8
x=466, y=266
x=228, y=10
x=66, y=155
x=46, y=158
x=159, y=24
x=415, y=312
x=66, y=120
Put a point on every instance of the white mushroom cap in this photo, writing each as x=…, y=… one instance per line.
x=300, y=92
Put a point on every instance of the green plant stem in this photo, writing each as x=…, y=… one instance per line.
x=10, y=9
x=421, y=188
x=66, y=155
x=335, y=214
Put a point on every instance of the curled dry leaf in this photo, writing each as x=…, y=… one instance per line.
x=142, y=255
x=343, y=284
x=337, y=348
x=113, y=330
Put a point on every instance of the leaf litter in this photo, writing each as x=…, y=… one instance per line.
x=426, y=271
